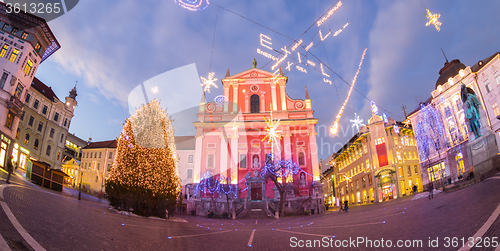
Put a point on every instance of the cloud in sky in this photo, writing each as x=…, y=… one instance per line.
x=113, y=46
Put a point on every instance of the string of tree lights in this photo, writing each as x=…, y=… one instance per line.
x=145, y=167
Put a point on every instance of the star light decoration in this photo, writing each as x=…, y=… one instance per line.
x=155, y=90
x=273, y=134
x=433, y=19
x=208, y=82
x=357, y=122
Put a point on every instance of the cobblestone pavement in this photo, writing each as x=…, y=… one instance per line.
x=58, y=221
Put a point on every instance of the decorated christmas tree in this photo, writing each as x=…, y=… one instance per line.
x=144, y=175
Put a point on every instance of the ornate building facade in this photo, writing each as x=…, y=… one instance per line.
x=43, y=126
x=230, y=136
x=25, y=41
x=459, y=149
x=379, y=163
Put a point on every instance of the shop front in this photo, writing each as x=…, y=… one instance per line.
x=4, y=148
x=387, y=184
x=20, y=155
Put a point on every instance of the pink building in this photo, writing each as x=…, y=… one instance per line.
x=229, y=137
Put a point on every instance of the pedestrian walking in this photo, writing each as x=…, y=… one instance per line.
x=10, y=169
x=346, y=207
x=414, y=188
x=431, y=188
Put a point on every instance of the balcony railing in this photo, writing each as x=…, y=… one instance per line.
x=15, y=105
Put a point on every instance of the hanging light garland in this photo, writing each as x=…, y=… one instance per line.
x=335, y=127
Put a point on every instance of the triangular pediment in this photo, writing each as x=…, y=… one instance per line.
x=251, y=73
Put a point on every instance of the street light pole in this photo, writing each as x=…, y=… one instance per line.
x=80, y=184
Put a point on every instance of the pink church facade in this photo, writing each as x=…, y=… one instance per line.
x=229, y=136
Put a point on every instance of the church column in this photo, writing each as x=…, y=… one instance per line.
x=223, y=155
x=226, y=94
x=283, y=97
x=197, y=159
x=234, y=159
x=314, y=154
x=287, y=144
x=262, y=102
x=273, y=96
x=235, y=97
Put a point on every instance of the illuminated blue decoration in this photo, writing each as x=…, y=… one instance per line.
x=220, y=100
x=385, y=118
x=374, y=107
x=212, y=184
x=396, y=128
x=193, y=5
x=429, y=131
x=282, y=168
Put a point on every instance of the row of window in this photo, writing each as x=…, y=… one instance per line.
x=343, y=191
x=40, y=127
x=401, y=171
x=95, y=155
x=44, y=109
x=355, y=171
x=23, y=35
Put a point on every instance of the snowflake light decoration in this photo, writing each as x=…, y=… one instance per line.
x=356, y=122
x=234, y=128
x=407, y=123
x=155, y=90
x=208, y=82
x=273, y=134
x=433, y=19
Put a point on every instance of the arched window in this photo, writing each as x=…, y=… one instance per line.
x=35, y=145
x=18, y=132
x=255, y=161
x=26, y=139
x=48, y=150
x=254, y=104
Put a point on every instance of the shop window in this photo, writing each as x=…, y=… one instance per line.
x=400, y=171
x=10, y=120
x=26, y=139
x=370, y=179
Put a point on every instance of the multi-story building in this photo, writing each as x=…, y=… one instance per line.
x=72, y=157
x=25, y=41
x=43, y=126
x=97, y=158
x=459, y=149
x=378, y=163
x=74, y=147
x=327, y=180
x=231, y=143
x=185, y=146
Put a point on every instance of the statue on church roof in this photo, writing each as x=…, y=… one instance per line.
x=254, y=63
x=471, y=106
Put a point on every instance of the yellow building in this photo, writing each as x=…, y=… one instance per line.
x=379, y=163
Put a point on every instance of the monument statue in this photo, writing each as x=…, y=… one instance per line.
x=254, y=63
x=471, y=106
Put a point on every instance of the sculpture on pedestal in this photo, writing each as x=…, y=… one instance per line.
x=471, y=106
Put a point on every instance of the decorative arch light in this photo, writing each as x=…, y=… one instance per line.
x=450, y=80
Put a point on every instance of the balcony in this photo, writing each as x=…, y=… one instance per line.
x=15, y=105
